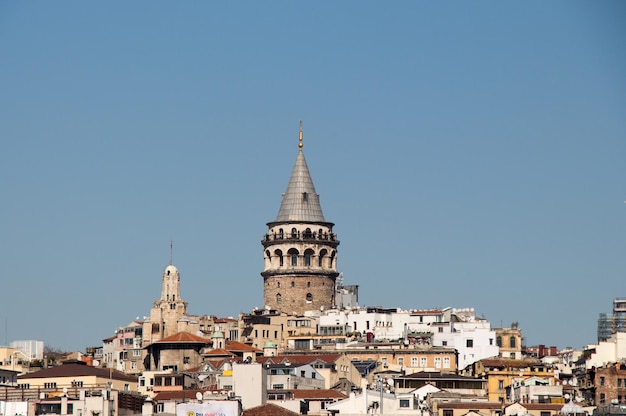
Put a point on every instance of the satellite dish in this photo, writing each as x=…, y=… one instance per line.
x=390, y=382
x=566, y=397
x=96, y=363
x=198, y=396
x=64, y=389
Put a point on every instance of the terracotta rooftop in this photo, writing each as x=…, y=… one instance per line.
x=218, y=352
x=240, y=346
x=268, y=409
x=183, y=337
x=75, y=368
x=300, y=359
x=317, y=394
x=509, y=363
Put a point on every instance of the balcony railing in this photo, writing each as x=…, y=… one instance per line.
x=300, y=236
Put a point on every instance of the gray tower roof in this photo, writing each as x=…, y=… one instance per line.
x=300, y=201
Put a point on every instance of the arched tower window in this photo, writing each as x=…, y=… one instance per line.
x=309, y=297
x=279, y=298
x=320, y=259
x=293, y=284
x=294, y=233
x=269, y=255
x=308, y=233
x=307, y=256
x=308, y=284
x=512, y=342
x=319, y=234
x=279, y=254
x=293, y=253
x=499, y=341
x=278, y=284
x=332, y=259
x=281, y=234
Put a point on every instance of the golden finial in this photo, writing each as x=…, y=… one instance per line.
x=300, y=144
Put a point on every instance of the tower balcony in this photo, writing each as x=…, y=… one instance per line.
x=312, y=237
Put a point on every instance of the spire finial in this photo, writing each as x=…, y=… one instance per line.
x=300, y=144
x=171, y=251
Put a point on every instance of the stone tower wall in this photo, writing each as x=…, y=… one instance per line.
x=293, y=290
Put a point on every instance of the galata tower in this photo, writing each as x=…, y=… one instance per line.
x=300, y=249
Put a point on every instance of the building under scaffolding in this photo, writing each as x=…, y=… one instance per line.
x=611, y=324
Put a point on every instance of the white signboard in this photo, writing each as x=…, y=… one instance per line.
x=209, y=408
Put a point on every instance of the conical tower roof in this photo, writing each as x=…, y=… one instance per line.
x=300, y=201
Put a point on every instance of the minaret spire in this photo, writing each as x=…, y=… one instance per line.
x=171, y=251
x=300, y=144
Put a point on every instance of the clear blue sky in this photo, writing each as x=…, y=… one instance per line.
x=471, y=154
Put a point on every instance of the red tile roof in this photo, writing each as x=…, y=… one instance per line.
x=218, y=352
x=300, y=359
x=183, y=337
x=77, y=368
x=268, y=409
x=240, y=346
x=317, y=394
x=509, y=363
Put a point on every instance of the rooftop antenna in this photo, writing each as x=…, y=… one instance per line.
x=171, y=251
x=300, y=144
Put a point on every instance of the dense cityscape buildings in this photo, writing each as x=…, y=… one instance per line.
x=312, y=349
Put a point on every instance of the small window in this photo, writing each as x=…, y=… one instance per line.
x=308, y=284
x=309, y=297
x=499, y=341
x=469, y=343
x=293, y=284
x=404, y=403
x=279, y=298
x=602, y=380
x=512, y=342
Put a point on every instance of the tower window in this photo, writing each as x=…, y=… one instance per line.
x=308, y=284
x=308, y=233
x=309, y=297
x=307, y=257
x=278, y=284
x=294, y=256
x=293, y=284
x=294, y=233
x=281, y=234
x=279, y=254
x=320, y=259
x=279, y=298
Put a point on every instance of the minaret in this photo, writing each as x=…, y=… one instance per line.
x=300, y=249
x=167, y=310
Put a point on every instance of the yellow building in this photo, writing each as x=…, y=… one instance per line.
x=501, y=373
